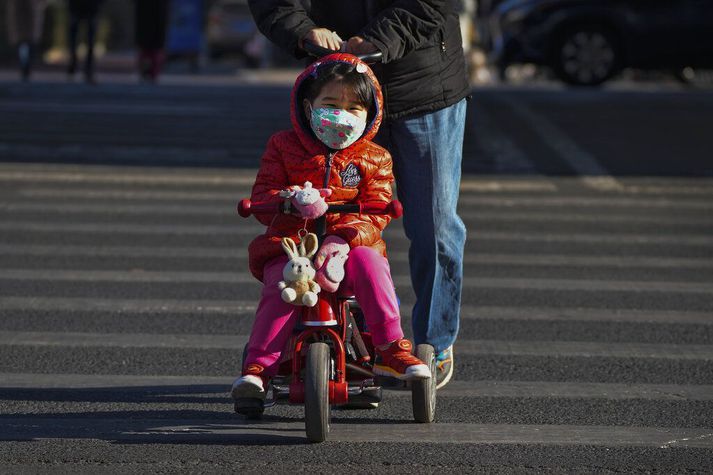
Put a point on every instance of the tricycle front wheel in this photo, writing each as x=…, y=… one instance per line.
x=317, y=392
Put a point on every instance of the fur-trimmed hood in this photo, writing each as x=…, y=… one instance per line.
x=300, y=123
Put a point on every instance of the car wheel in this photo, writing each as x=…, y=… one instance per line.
x=586, y=56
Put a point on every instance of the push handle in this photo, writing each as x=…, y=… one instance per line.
x=319, y=51
x=394, y=209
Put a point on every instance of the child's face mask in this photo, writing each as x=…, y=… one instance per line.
x=336, y=128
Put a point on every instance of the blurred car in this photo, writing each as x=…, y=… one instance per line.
x=586, y=42
x=232, y=31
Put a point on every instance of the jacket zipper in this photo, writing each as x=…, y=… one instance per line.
x=328, y=169
x=321, y=222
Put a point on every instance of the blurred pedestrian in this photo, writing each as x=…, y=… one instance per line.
x=151, y=25
x=24, y=26
x=83, y=11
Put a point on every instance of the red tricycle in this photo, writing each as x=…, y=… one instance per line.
x=329, y=359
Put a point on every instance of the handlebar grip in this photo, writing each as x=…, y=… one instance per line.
x=246, y=208
x=393, y=209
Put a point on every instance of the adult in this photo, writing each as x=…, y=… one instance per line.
x=83, y=11
x=25, y=19
x=151, y=25
x=424, y=83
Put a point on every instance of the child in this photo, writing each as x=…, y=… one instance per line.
x=336, y=108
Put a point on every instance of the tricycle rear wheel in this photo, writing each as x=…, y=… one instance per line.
x=317, y=392
x=423, y=391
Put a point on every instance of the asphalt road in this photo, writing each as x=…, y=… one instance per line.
x=587, y=330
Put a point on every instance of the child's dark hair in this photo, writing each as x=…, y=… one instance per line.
x=345, y=73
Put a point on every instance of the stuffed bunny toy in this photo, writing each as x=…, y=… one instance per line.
x=308, y=201
x=299, y=287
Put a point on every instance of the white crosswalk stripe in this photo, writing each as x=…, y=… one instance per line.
x=69, y=280
x=551, y=349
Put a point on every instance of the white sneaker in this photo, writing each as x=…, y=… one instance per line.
x=248, y=386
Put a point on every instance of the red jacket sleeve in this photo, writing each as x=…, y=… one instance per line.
x=364, y=229
x=271, y=178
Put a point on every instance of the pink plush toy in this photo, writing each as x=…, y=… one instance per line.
x=307, y=200
x=329, y=263
x=333, y=253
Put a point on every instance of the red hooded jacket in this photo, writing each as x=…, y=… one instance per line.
x=361, y=172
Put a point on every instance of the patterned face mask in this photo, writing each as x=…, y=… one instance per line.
x=336, y=128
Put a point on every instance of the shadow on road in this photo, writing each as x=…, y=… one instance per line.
x=152, y=426
x=170, y=394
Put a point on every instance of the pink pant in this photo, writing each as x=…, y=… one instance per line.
x=367, y=277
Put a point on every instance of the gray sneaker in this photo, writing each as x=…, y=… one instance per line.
x=444, y=367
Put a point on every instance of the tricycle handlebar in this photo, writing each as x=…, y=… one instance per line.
x=394, y=209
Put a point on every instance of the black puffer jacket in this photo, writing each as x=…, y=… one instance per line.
x=85, y=8
x=423, y=68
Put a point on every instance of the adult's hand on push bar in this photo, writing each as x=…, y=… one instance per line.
x=357, y=46
x=324, y=38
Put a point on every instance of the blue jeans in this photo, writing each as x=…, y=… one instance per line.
x=427, y=151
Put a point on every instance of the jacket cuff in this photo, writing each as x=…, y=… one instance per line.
x=380, y=45
x=299, y=33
